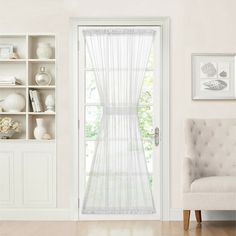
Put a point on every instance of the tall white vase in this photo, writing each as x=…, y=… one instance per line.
x=40, y=129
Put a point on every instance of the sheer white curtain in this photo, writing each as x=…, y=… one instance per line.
x=118, y=181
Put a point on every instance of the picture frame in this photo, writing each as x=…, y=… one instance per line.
x=5, y=51
x=213, y=76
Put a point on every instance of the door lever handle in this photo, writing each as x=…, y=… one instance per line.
x=156, y=136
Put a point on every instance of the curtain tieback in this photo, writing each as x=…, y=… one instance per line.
x=120, y=110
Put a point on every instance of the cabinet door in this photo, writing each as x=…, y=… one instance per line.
x=27, y=175
x=38, y=170
x=6, y=178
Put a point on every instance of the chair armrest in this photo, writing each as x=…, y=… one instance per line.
x=189, y=173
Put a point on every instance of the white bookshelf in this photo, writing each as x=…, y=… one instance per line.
x=25, y=68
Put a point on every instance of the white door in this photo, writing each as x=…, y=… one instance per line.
x=91, y=112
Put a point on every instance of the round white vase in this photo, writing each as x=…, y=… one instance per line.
x=14, y=102
x=40, y=129
x=44, y=51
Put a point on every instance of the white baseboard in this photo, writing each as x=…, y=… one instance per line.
x=176, y=214
x=36, y=214
x=60, y=214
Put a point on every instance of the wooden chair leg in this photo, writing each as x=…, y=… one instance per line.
x=186, y=216
x=198, y=216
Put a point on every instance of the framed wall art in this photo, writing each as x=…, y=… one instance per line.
x=213, y=76
x=5, y=51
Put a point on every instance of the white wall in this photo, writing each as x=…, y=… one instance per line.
x=196, y=26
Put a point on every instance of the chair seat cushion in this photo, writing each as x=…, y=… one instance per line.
x=214, y=184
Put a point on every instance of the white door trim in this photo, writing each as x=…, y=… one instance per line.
x=163, y=22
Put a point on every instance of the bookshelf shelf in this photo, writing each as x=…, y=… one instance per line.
x=25, y=68
x=12, y=86
x=42, y=113
x=42, y=87
x=13, y=113
x=13, y=60
x=34, y=140
x=42, y=60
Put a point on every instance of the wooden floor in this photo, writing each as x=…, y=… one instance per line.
x=114, y=228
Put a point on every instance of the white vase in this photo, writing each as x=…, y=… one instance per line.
x=44, y=51
x=50, y=103
x=14, y=102
x=40, y=129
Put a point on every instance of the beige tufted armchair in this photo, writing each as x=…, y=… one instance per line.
x=209, y=181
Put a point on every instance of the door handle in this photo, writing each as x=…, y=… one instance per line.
x=156, y=136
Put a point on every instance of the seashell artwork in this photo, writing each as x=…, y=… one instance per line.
x=223, y=74
x=213, y=76
x=215, y=85
x=209, y=69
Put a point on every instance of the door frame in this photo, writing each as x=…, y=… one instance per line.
x=164, y=23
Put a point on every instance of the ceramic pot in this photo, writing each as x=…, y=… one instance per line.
x=40, y=129
x=44, y=51
x=42, y=78
x=7, y=135
x=14, y=102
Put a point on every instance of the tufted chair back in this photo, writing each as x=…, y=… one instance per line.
x=211, y=143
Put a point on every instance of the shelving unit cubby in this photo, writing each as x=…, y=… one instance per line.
x=25, y=68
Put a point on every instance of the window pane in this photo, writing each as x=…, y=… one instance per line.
x=150, y=64
x=146, y=96
x=148, y=149
x=92, y=95
x=90, y=148
x=88, y=61
x=93, y=121
x=145, y=116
